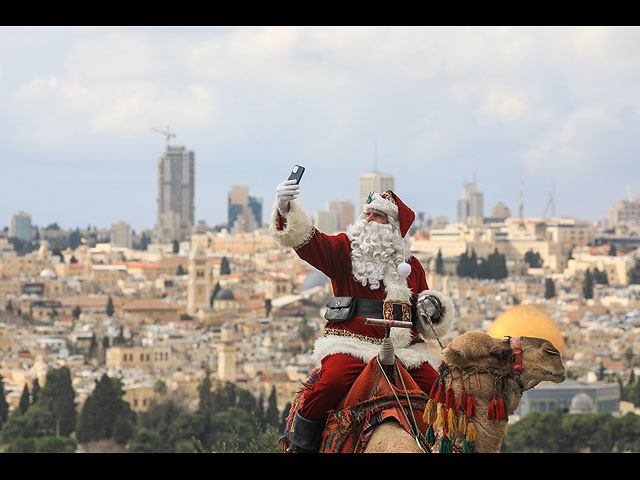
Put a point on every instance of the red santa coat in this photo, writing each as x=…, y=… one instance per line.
x=331, y=254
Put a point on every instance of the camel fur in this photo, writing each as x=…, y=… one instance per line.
x=473, y=352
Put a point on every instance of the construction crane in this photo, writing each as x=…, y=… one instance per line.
x=551, y=204
x=167, y=133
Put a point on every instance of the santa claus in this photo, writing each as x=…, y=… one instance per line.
x=373, y=275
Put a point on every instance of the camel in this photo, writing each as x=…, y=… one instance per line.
x=478, y=364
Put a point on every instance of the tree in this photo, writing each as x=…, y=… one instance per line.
x=225, y=268
x=439, y=263
x=105, y=414
x=600, y=277
x=272, y=414
x=176, y=246
x=76, y=312
x=4, y=406
x=549, y=288
x=587, y=284
x=35, y=390
x=180, y=271
x=533, y=259
x=58, y=397
x=109, y=309
x=633, y=275
x=25, y=400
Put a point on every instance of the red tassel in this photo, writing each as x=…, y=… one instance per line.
x=434, y=388
x=471, y=406
x=439, y=398
x=451, y=400
x=492, y=409
x=499, y=408
x=462, y=400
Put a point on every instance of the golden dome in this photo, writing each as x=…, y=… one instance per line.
x=527, y=321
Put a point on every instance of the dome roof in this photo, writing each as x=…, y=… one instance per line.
x=225, y=294
x=315, y=278
x=527, y=321
x=582, y=403
x=47, y=273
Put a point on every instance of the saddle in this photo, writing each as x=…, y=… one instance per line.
x=370, y=401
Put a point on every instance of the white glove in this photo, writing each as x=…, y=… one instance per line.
x=285, y=192
x=431, y=307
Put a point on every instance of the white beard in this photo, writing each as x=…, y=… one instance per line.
x=376, y=251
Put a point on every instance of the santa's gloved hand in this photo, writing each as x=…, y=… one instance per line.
x=285, y=192
x=431, y=307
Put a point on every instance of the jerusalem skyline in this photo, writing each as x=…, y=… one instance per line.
x=535, y=108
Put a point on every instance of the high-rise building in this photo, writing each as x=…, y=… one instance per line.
x=176, y=192
x=245, y=211
x=471, y=204
x=121, y=234
x=625, y=212
x=345, y=212
x=20, y=226
x=374, y=182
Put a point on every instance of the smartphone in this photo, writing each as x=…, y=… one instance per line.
x=296, y=173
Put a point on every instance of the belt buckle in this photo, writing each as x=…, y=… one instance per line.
x=387, y=311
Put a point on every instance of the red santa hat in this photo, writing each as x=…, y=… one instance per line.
x=389, y=203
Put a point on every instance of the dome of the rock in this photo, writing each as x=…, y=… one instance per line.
x=527, y=321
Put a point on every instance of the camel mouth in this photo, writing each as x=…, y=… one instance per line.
x=556, y=376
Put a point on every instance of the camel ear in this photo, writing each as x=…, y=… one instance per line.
x=453, y=357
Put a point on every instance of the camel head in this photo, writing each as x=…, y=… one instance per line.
x=539, y=360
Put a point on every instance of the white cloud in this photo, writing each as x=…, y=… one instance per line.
x=576, y=142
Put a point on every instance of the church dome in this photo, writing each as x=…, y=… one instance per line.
x=225, y=294
x=527, y=321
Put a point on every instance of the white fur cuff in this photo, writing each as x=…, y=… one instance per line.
x=298, y=230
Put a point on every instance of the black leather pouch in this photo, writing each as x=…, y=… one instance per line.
x=340, y=309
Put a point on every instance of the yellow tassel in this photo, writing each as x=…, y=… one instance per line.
x=472, y=435
x=429, y=413
x=462, y=425
x=452, y=420
x=439, y=423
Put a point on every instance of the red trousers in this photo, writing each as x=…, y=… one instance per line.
x=337, y=374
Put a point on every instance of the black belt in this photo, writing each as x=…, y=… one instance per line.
x=376, y=309
x=340, y=309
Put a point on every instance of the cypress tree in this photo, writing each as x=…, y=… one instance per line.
x=25, y=400
x=105, y=414
x=272, y=414
x=587, y=285
x=4, y=406
x=439, y=263
x=549, y=288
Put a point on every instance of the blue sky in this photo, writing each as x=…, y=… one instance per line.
x=539, y=107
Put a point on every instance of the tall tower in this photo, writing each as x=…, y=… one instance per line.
x=20, y=226
x=227, y=355
x=377, y=182
x=245, y=211
x=199, y=284
x=176, y=192
x=471, y=204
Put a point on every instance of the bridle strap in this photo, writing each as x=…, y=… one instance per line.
x=516, y=366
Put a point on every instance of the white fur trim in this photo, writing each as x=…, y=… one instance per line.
x=382, y=205
x=442, y=327
x=298, y=230
x=411, y=356
x=396, y=287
